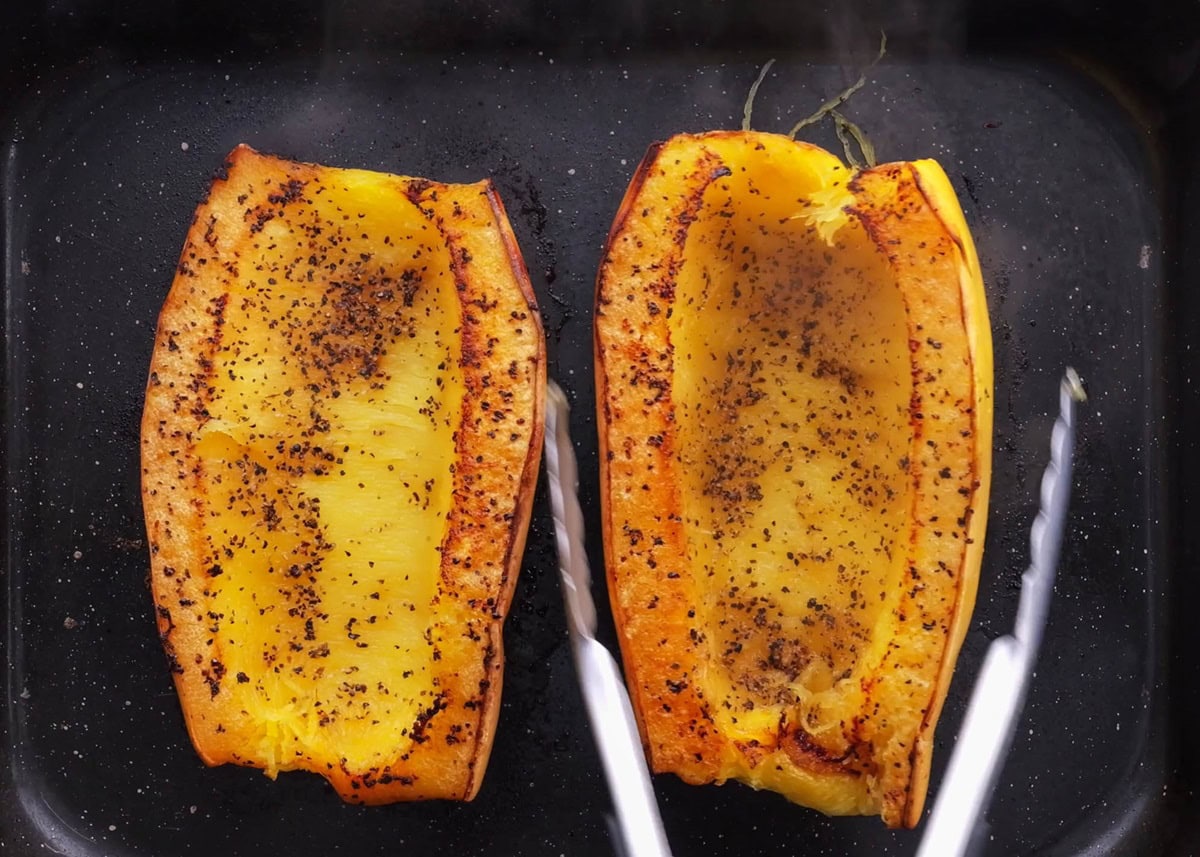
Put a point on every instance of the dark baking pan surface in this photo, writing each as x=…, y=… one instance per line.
x=1077, y=170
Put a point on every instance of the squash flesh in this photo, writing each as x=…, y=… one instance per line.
x=331, y=573
x=768, y=378
x=362, y=612
x=777, y=484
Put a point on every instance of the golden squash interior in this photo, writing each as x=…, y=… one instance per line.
x=794, y=386
x=340, y=445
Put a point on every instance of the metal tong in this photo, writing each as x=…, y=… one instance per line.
x=639, y=826
x=958, y=823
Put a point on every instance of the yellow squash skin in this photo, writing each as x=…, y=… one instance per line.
x=794, y=383
x=340, y=445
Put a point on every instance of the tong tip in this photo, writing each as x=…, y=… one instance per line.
x=1074, y=385
x=556, y=397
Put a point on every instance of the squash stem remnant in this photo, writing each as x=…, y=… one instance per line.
x=749, y=106
x=847, y=130
x=839, y=99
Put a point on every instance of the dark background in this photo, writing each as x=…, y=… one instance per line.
x=1071, y=131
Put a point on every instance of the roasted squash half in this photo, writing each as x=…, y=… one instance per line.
x=340, y=445
x=794, y=382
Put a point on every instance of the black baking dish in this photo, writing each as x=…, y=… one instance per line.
x=1071, y=131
